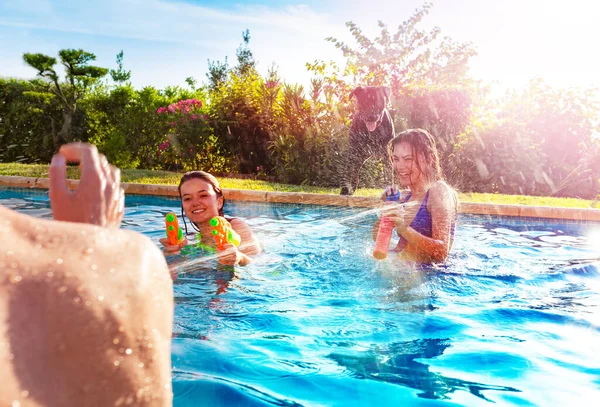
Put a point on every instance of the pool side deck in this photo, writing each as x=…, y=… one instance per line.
x=548, y=212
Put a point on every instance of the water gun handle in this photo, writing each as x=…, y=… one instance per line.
x=395, y=196
x=174, y=232
x=384, y=235
x=223, y=233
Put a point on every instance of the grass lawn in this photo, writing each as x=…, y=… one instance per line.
x=172, y=178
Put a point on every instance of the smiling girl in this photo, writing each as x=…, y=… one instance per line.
x=425, y=217
x=202, y=199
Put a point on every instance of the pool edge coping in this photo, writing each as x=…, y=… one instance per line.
x=521, y=211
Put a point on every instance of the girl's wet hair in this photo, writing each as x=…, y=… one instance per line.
x=210, y=179
x=421, y=142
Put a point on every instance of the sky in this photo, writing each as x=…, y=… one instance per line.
x=165, y=41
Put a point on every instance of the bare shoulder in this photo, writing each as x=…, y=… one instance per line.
x=240, y=226
x=443, y=194
x=250, y=244
x=85, y=294
x=65, y=247
x=238, y=222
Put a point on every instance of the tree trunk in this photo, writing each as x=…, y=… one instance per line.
x=48, y=141
x=63, y=135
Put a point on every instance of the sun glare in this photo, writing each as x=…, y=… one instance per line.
x=593, y=239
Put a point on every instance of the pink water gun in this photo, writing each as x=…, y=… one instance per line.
x=386, y=227
x=384, y=235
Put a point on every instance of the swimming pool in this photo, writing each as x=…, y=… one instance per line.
x=512, y=319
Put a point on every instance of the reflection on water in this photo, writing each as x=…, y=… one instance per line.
x=395, y=363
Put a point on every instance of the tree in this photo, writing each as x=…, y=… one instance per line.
x=218, y=73
x=26, y=127
x=407, y=59
x=79, y=75
x=541, y=141
x=246, y=63
x=120, y=75
x=427, y=75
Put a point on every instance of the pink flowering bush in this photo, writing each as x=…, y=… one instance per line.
x=190, y=143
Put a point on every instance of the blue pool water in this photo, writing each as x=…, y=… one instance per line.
x=512, y=319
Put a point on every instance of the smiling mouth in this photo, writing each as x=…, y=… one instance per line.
x=197, y=211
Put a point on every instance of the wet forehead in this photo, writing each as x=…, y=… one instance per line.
x=196, y=185
x=402, y=150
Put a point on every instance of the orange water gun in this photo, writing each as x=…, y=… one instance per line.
x=223, y=233
x=174, y=232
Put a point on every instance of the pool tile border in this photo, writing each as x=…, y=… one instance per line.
x=518, y=211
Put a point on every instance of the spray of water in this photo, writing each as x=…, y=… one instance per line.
x=189, y=265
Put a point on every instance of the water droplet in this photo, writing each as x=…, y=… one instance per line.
x=94, y=267
x=24, y=394
x=76, y=300
x=150, y=345
x=15, y=279
x=116, y=341
x=50, y=274
x=89, y=250
x=128, y=351
x=10, y=253
x=100, y=298
x=16, y=403
x=112, y=270
x=121, y=328
x=88, y=303
x=59, y=261
x=62, y=289
x=117, y=363
x=14, y=265
x=141, y=365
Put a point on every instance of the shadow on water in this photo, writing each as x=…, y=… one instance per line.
x=397, y=364
x=217, y=391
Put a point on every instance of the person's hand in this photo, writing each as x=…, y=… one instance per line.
x=229, y=255
x=389, y=191
x=396, y=213
x=169, y=248
x=98, y=199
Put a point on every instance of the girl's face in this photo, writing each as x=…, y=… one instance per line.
x=199, y=200
x=404, y=165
